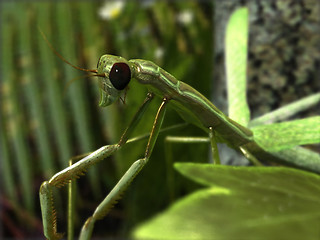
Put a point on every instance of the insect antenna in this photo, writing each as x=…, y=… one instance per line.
x=62, y=58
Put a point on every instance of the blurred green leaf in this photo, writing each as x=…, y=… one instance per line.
x=248, y=202
x=287, y=111
x=279, y=136
x=300, y=157
x=236, y=49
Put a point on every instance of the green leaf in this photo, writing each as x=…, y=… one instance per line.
x=300, y=157
x=287, y=111
x=279, y=136
x=236, y=48
x=241, y=202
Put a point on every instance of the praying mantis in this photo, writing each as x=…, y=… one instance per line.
x=115, y=74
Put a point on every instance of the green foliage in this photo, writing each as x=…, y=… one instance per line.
x=288, y=134
x=236, y=42
x=241, y=202
x=250, y=202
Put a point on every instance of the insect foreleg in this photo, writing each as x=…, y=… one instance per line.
x=75, y=171
x=126, y=179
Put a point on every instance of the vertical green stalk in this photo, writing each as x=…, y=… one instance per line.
x=71, y=206
x=5, y=109
x=33, y=90
x=15, y=121
x=76, y=94
x=53, y=89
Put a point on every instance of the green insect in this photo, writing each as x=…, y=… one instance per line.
x=115, y=73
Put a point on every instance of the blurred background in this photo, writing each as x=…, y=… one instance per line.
x=43, y=123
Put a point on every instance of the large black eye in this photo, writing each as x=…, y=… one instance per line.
x=120, y=75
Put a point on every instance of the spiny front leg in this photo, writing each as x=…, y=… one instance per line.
x=105, y=206
x=49, y=217
x=75, y=171
x=60, y=179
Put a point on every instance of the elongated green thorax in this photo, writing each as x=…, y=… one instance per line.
x=190, y=104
